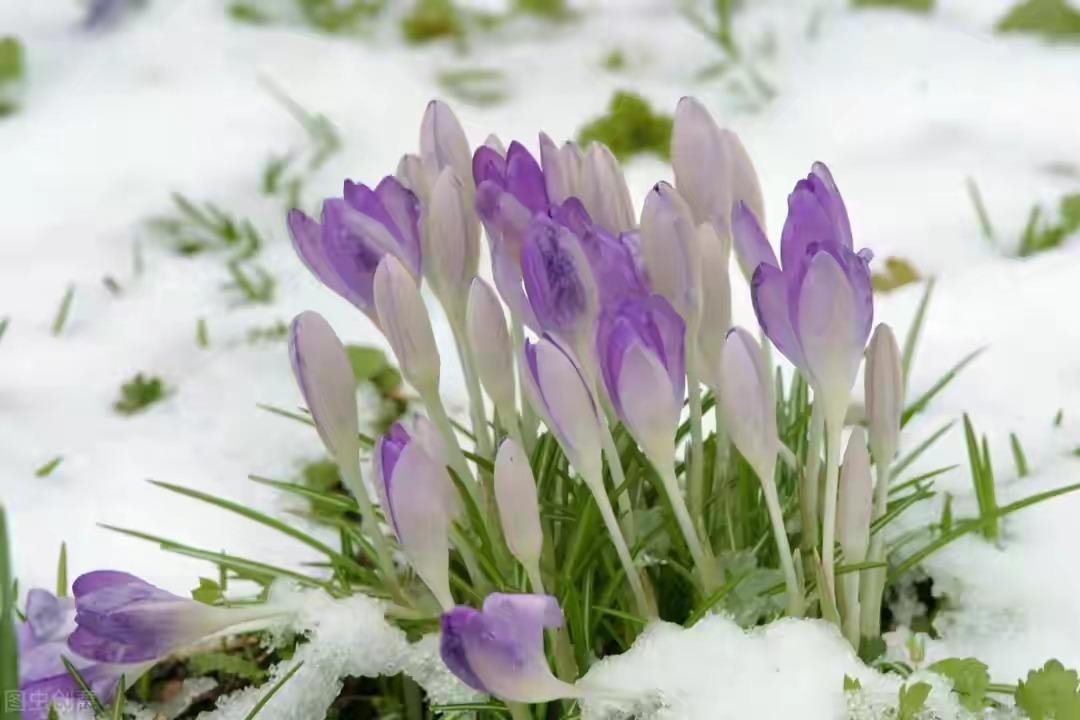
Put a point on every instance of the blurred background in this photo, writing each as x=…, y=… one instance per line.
x=149, y=151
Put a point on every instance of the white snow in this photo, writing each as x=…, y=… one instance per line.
x=903, y=108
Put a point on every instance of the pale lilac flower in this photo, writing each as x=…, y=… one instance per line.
x=500, y=650
x=854, y=502
x=641, y=347
x=671, y=250
x=818, y=309
x=451, y=242
x=712, y=168
x=715, y=254
x=443, y=144
x=884, y=388
x=356, y=232
x=405, y=323
x=562, y=169
x=603, y=191
x=746, y=400
x=559, y=282
x=559, y=393
x=418, y=500
x=519, y=509
x=485, y=325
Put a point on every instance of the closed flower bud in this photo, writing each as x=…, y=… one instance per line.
x=406, y=325
x=500, y=650
x=485, y=324
x=419, y=503
x=562, y=169
x=411, y=173
x=670, y=249
x=855, y=500
x=715, y=302
x=519, y=510
x=443, y=144
x=884, y=384
x=746, y=400
x=558, y=392
x=451, y=243
x=604, y=192
x=326, y=381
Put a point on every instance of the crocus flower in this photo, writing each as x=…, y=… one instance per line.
x=42, y=642
x=853, y=514
x=746, y=400
x=671, y=250
x=715, y=302
x=406, y=325
x=499, y=650
x=123, y=619
x=519, y=509
x=603, y=190
x=712, y=168
x=356, y=232
x=485, y=324
x=818, y=309
x=640, y=345
x=884, y=389
x=418, y=501
x=451, y=242
x=562, y=169
x=443, y=144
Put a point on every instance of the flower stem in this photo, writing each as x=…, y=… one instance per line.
x=596, y=486
x=872, y=584
x=618, y=479
x=701, y=553
x=355, y=480
x=437, y=411
x=518, y=711
x=783, y=547
x=697, y=441
x=849, y=589
x=808, y=494
x=832, y=484
x=530, y=421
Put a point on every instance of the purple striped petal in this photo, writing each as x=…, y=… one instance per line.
x=524, y=179
x=47, y=616
x=558, y=282
x=489, y=164
x=403, y=209
x=307, y=239
x=388, y=450
x=769, y=292
x=829, y=197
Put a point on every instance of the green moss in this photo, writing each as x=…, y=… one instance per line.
x=432, y=20
x=1050, y=18
x=630, y=127
x=139, y=393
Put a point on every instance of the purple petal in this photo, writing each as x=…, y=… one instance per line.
x=615, y=262
x=403, y=208
x=88, y=645
x=807, y=224
x=47, y=616
x=387, y=452
x=751, y=246
x=489, y=165
x=524, y=179
x=307, y=238
x=769, y=291
x=827, y=325
x=353, y=258
x=829, y=197
x=553, y=275
x=62, y=691
x=456, y=625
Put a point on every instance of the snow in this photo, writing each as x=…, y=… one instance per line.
x=903, y=108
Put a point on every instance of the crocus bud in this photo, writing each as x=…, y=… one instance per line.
x=519, y=510
x=712, y=169
x=492, y=141
x=884, y=384
x=558, y=392
x=411, y=174
x=451, y=243
x=604, y=192
x=443, y=144
x=326, y=380
x=746, y=400
x=715, y=302
x=641, y=347
x=500, y=650
x=406, y=325
x=670, y=248
x=559, y=282
x=356, y=232
x=485, y=324
x=855, y=500
x=123, y=619
x=562, y=169
x=418, y=501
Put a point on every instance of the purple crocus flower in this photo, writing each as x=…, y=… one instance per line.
x=817, y=306
x=641, y=347
x=499, y=650
x=356, y=232
x=43, y=641
x=418, y=500
x=559, y=281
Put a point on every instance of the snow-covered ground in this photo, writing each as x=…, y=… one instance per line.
x=902, y=107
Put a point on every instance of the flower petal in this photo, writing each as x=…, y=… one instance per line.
x=671, y=250
x=746, y=399
x=519, y=509
x=443, y=143
x=406, y=324
x=751, y=246
x=769, y=291
x=826, y=326
x=604, y=192
x=492, y=350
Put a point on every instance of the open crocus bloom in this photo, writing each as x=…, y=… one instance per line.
x=356, y=232
x=43, y=641
x=499, y=650
x=818, y=308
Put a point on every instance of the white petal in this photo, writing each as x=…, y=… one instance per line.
x=715, y=302
x=855, y=500
x=406, y=324
x=746, y=400
x=568, y=406
x=650, y=410
x=701, y=160
x=671, y=252
x=485, y=324
x=443, y=143
x=604, y=191
x=519, y=509
x=884, y=386
x=451, y=242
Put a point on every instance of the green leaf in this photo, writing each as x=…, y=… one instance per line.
x=923, y=400
x=912, y=700
x=219, y=663
x=1054, y=19
x=46, y=469
x=477, y=86
x=84, y=687
x=273, y=691
x=208, y=592
x=63, y=311
x=851, y=684
x=9, y=648
x=11, y=60
x=898, y=272
x=139, y=393
x=1051, y=693
x=911, y=340
x=970, y=679
x=62, y=572
x=924, y=6
x=630, y=128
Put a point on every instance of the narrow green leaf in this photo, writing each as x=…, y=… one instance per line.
x=903, y=463
x=62, y=572
x=911, y=340
x=47, y=469
x=980, y=211
x=9, y=648
x=273, y=691
x=923, y=400
x=84, y=687
x=63, y=311
x=1018, y=455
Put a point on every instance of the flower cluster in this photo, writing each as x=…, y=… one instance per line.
x=616, y=323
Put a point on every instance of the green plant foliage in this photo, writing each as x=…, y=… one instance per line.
x=12, y=71
x=371, y=366
x=431, y=20
x=924, y=6
x=1041, y=234
x=1050, y=693
x=139, y=393
x=912, y=700
x=1055, y=19
x=219, y=663
x=9, y=647
x=898, y=272
x=209, y=592
x=551, y=9
x=982, y=476
x=631, y=127
x=970, y=679
x=334, y=16
x=475, y=86
x=47, y=469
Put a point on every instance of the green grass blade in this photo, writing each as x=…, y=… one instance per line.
x=923, y=400
x=919, y=479
x=903, y=463
x=331, y=501
x=84, y=688
x=63, y=311
x=9, y=649
x=964, y=528
x=911, y=340
x=62, y=572
x=273, y=691
x=716, y=598
x=121, y=700
x=1019, y=458
x=981, y=213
